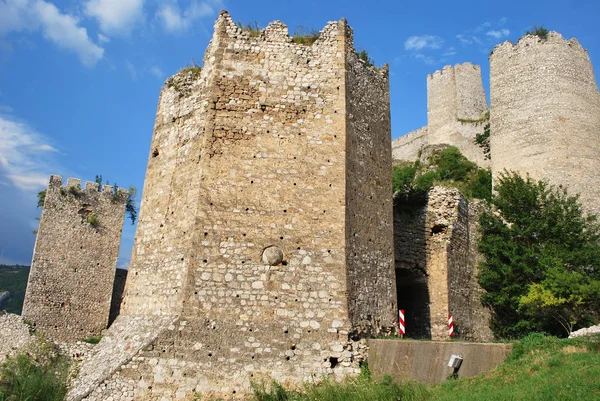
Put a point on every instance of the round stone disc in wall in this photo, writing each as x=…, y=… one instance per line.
x=272, y=256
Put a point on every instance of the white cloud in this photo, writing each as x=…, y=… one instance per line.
x=502, y=21
x=24, y=155
x=102, y=38
x=116, y=16
x=157, y=72
x=174, y=20
x=498, y=34
x=451, y=51
x=61, y=29
x=423, y=42
x=424, y=58
x=468, y=39
x=132, y=70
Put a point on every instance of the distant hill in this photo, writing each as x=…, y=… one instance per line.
x=14, y=280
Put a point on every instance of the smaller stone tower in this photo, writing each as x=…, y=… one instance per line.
x=73, y=268
x=457, y=111
x=545, y=114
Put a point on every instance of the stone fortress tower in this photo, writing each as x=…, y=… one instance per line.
x=457, y=111
x=70, y=284
x=545, y=114
x=264, y=247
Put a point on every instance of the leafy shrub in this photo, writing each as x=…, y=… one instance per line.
x=540, y=32
x=542, y=256
x=483, y=140
x=252, y=29
x=364, y=56
x=23, y=378
x=92, y=340
x=412, y=181
x=92, y=220
x=41, y=198
x=305, y=36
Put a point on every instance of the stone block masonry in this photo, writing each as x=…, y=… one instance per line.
x=436, y=267
x=265, y=232
x=545, y=114
x=457, y=111
x=74, y=260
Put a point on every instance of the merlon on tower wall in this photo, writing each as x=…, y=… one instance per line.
x=265, y=246
x=545, y=114
x=70, y=284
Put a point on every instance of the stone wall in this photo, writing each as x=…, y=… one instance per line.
x=14, y=335
x=73, y=268
x=545, y=114
x=436, y=266
x=408, y=146
x=266, y=170
x=456, y=112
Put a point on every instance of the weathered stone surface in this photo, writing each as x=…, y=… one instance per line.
x=14, y=334
x=545, y=114
x=436, y=267
x=456, y=113
x=73, y=268
x=272, y=256
x=588, y=331
x=273, y=143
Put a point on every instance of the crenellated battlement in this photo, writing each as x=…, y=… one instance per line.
x=528, y=42
x=90, y=188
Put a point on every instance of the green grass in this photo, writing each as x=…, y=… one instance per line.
x=541, y=368
x=14, y=280
x=29, y=378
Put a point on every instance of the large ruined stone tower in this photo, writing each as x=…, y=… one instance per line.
x=265, y=245
x=73, y=268
x=545, y=114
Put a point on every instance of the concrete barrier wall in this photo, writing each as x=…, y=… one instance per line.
x=426, y=361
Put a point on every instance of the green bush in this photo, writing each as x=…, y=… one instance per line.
x=412, y=181
x=542, y=256
x=22, y=378
x=540, y=32
x=252, y=29
x=305, y=36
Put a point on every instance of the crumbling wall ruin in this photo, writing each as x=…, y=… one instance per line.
x=436, y=266
x=266, y=203
x=71, y=279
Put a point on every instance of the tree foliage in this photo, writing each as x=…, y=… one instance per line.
x=542, y=253
x=448, y=167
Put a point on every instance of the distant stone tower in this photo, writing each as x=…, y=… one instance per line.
x=545, y=114
x=457, y=111
x=74, y=260
x=264, y=248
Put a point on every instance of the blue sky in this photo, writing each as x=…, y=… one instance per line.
x=79, y=80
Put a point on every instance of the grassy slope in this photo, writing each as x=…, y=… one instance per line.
x=540, y=368
x=14, y=280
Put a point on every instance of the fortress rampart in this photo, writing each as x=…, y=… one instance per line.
x=456, y=112
x=74, y=260
x=545, y=114
x=264, y=248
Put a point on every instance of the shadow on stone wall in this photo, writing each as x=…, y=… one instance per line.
x=117, y=295
x=412, y=282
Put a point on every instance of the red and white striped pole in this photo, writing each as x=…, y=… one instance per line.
x=401, y=321
x=450, y=326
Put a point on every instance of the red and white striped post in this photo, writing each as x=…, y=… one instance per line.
x=450, y=326
x=401, y=322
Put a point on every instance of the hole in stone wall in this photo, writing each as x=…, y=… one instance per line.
x=438, y=229
x=284, y=211
x=333, y=361
x=155, y=153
